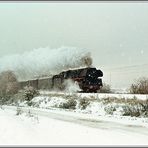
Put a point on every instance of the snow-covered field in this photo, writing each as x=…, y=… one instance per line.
x=45, y=122
x=25, y=129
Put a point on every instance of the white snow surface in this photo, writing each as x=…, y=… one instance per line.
x=49, y=125
x=39, y=130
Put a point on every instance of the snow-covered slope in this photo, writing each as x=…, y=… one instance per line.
x=27, y=129
x=75, y=119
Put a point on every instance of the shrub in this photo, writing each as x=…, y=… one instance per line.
x=70, y=104
x=19, y=111
x=29, y=103
x=110, y=109
x=140, y=86
x=105, y=89
x=4, y=100
x=144, y=106
x=131, y=111
x=84, y=103
x=30, y=114
x=30, y=92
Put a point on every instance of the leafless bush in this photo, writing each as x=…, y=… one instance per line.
x=70, y=104
x=106, y=88
x=74, y=96
x=84, y=103
x=34, y=117
x=140, y=86
x=19, y=111
x=110, y=109
x=129, y=107
x=109, y=100
x=133, y=111
x=30, y=114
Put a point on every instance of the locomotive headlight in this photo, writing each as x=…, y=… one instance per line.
x=91, y=86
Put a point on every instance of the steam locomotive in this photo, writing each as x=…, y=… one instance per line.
x=88, y=80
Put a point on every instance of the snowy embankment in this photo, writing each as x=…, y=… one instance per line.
x=75, y=119
x=121, y=110
x=94, y=104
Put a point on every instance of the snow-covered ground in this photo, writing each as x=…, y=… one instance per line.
x=25, y=129
x=45, y=122
x=102, y=95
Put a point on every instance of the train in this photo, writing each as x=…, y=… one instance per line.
x=89, y=80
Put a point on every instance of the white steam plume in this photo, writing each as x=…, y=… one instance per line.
x=71, y=86
x=45, y=61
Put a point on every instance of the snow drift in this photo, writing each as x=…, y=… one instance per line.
x=45, y=61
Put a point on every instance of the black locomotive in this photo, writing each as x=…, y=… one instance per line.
x=88, y=80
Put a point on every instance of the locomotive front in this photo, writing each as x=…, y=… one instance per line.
x=92, y=82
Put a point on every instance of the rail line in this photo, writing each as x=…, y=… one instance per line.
x=99, y=95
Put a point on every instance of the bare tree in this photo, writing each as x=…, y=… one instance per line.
x=140, y=86
x=8, y=83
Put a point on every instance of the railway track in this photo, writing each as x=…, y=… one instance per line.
x=98, y=95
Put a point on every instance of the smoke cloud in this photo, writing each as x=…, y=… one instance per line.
x=71, y=86
x=45, y=61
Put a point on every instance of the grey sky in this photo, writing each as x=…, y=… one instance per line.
x=115, y=33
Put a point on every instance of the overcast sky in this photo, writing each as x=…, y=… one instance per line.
x=115, y=33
